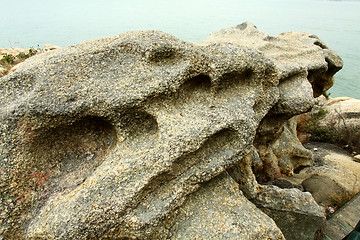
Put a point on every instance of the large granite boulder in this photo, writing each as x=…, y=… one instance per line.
x=127, y=137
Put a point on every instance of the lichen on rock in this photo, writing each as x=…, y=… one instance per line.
x=118, y=138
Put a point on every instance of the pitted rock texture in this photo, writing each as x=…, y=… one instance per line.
x=219, y=209
x=111, y=138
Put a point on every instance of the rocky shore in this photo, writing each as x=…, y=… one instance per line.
x=145, y=136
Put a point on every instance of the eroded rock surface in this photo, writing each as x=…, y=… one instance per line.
x=295, y=212
x=119, y=138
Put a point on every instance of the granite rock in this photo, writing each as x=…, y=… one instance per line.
x=296, y=213
x=220, y=211
x=322, y=188
x=335, y=163
x=332, y=179
x=119, y=137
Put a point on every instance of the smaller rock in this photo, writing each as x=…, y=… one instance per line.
x=49, y=47
x=323, y=189
x=357, y=158
x=218, y=210
x=333, y=162
x=296, y=213
x=331, y=210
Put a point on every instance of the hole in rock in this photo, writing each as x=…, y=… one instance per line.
x=162, y=54
x=235, y=81
x=70, y=153
x=298, y=169
x=319, y=81
x=139, y=126
x=258, y=105
x=195, y=85
x=192, y=90
x=313, y=75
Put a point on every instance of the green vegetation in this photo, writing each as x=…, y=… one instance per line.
x=339, y=200
x=30, y=53
x=309, y=124
x=324, y=134
x=336, y=131
x=7, y=61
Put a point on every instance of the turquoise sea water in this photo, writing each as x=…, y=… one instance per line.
x=27, y=23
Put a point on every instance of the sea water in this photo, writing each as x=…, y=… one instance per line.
x=25, y=23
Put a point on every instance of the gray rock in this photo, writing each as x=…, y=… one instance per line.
x=284, y=50
x=322, y=188
x=284, y=184
x=117, y=137
x=296, y=213
x=334, y=163
x=333, y=179
x=219, y=211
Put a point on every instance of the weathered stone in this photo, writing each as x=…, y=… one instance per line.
x=343, y=117
x=322, y=188
x=334, y=177
x=49, y=47
x=296, y=213
x=284, y=50
x=336, y=164
x=219, y=211
x=119, y=137
x=284, y=184
x=289, y=152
